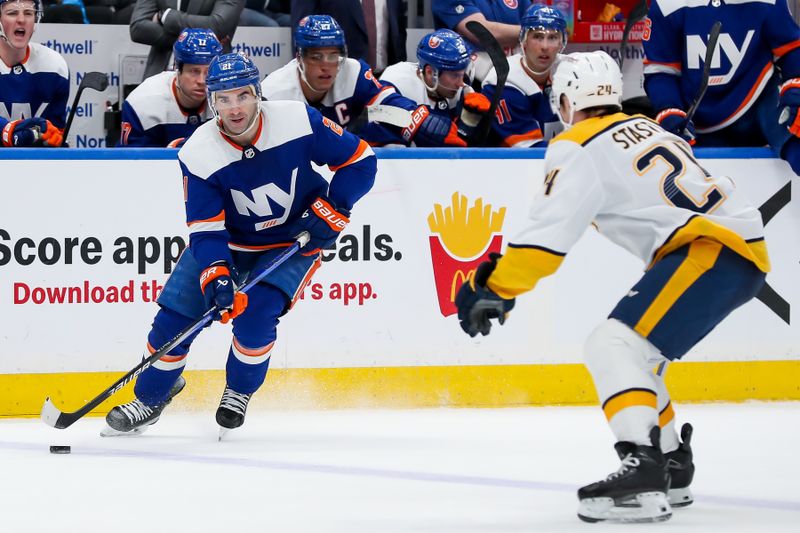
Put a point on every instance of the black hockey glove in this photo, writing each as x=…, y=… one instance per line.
x=477, y=304
x=324, y=222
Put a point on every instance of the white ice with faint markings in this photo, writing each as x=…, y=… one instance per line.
x=434, y=470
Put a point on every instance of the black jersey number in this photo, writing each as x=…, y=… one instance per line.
x=678, y=159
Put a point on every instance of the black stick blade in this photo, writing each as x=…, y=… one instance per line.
x=95, y=80
x=500, y=64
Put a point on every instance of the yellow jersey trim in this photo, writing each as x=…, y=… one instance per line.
x=697, y=227
x=521, y=268
x=586, y=130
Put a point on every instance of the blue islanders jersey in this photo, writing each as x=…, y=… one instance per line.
x=152, y=116
x=523, y=117
x=250, y=198
x=37, y=87
x=448, y=13
x=354, y=89
x=756, y=35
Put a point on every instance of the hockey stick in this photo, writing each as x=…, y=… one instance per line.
x=91, y=80
x=500, y=64
x=711, y=45
x=389, y=114
x=54, y=417
x=637, y=13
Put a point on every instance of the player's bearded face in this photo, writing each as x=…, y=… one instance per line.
x=236, y=108
x=18, y=19
x=192, y=83
x=541, y=48
x=321, y=66
x=450, y=81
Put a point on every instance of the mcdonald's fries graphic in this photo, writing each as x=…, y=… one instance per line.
x=462, y=238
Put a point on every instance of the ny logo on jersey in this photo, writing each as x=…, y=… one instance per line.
x=258, y=203
x=21, y=110
x=696, y=52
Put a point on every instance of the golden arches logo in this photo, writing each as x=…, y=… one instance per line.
x=465, y=231
x=462, y=237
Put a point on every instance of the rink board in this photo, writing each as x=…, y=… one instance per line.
x=376, y=325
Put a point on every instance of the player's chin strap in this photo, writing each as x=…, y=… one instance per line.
x=432, y=90
x=302, y=68
x=237, y=136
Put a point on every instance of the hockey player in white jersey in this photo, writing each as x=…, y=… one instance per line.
x=166, y=108
x=34, y=80
x=705, y=255
x=523, y=117
x=249, y=190
x=438, y=85
x=339, y=87
x=753, y=95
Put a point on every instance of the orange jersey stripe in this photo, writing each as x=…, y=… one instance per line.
x=785, y=49
x=387, y=88
x=671, y=65
x=534, y=135
x=747, y=99
x=252, y=352
x=362, y=145
x=220, y=217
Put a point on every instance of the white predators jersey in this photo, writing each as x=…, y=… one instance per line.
x=640, y=187
x=404, y=77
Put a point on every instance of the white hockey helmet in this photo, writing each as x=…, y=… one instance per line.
x=587, y=79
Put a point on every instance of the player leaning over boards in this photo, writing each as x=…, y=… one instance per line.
x=753, y=97
x=34, y=80
x=705, y=253
x=168, y=107
x=322, y=75
x=249, y=190
x=437, y=86
x=524, y=117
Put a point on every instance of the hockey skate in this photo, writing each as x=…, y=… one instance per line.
x=637, y=492
x=681, y=470
x=231, y=410
x=133, y=418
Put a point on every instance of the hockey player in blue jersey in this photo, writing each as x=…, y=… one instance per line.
x=524, y=117
x=437, y=83
x=34, y=80
x=166, y=108
x=250, y=189
x=753, y=94
x=339, y=87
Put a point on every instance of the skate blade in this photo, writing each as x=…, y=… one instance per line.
x=640, y=508
x=680, y=497
x=108, y=431
x=222, y=432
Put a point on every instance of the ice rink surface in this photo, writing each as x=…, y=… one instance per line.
x=435, y=470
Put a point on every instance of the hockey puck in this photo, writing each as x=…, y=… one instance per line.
x=60, y=449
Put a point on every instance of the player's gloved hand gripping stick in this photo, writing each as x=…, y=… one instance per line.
x=54, y=417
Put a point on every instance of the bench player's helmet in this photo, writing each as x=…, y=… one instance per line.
x=196, y=46
x=587, y=80
x=443, y=50
x=319, y=31
x=542, y=17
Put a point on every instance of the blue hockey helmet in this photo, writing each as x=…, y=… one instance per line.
x=542, y=17
x=319, y=31
x=232, y=71
x=443, y=50
x=196, y=46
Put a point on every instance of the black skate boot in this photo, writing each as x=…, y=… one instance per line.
x=231, y=410
x=637, y=492
x=133, y=418
x=681, y=470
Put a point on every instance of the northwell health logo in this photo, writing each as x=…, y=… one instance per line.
x=462, y=238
